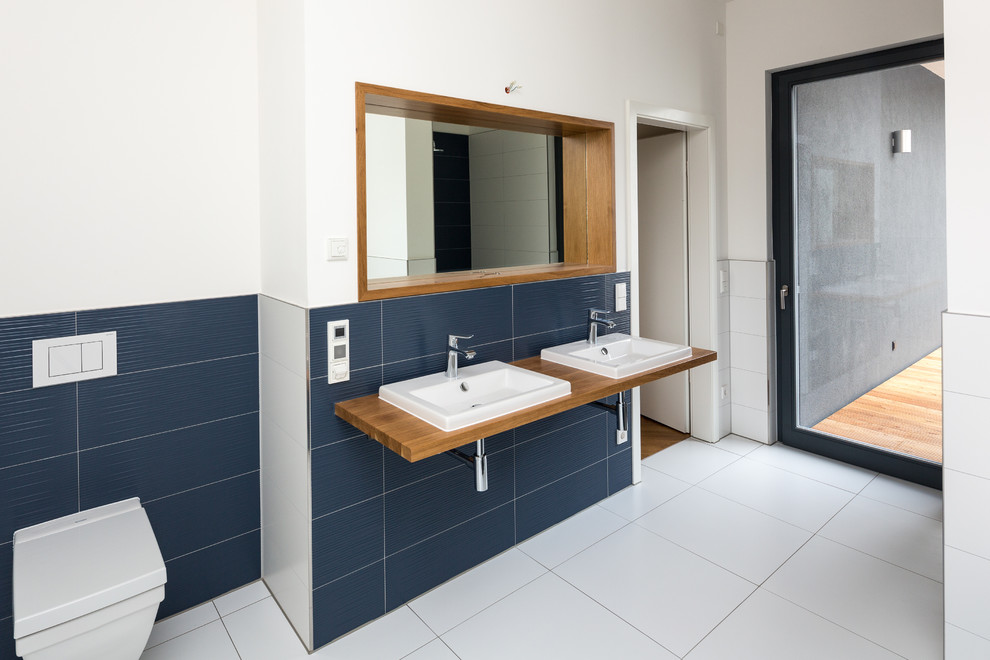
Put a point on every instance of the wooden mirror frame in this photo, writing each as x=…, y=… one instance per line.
x=589, y=189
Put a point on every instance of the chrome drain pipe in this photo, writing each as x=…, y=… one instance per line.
x=621, y=421
x=479, y=461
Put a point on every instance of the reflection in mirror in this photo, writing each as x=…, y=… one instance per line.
x=448, y=197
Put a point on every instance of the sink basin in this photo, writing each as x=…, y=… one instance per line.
x=616, y=355
x=479, y=393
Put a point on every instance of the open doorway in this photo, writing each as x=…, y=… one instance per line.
x=683, y=299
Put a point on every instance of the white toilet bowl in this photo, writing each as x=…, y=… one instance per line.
x=87, y=586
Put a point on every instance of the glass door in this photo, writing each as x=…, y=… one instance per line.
x=859, y=244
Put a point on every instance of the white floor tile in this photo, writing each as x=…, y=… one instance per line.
x=749, y=543
x=910, y=540
x=209, y=642
x=906, y=495
x=182, y=623
x=435, y=650
x=670, y=594
x=239, y=598
x=561, y=542
x=898, y=609
x=738, y=444
x=962, y=644
x=461, y=598
x=638, y=499
x=834, y=473
x=391, y=637
x=690, y=460
x=260, y=632
x=549, y=618
x=790, y=497
x=767, y=627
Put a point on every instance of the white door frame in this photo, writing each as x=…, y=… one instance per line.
x=702, y=266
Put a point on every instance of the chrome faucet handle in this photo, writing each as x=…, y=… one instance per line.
x=452, y=339
x=593, y=313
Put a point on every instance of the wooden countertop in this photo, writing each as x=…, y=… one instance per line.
x=414, y=439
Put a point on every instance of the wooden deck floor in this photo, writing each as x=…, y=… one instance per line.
x=654, y=436
x=903, y=414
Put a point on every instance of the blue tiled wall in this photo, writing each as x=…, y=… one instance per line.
x=177, y=427
x=386, y=530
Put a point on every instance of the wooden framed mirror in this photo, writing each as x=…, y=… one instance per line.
x=415, y=202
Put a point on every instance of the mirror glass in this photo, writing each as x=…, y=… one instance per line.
x=444, y=197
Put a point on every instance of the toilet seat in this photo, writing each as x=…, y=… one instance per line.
x=90, y=564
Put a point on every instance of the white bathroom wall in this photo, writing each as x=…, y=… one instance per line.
x=677, y=61
x=129, y=158
x=966, y=326
x=286, y=536
x=748, y=349
x=724, y=361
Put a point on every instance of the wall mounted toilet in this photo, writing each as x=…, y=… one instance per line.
x=87, y=586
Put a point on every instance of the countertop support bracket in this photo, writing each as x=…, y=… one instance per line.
x=478, y=461
x=619, y=410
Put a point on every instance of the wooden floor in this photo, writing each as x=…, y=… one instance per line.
x=655, y=436
x=903, y=414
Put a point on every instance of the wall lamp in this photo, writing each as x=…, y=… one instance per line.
x=900, y=141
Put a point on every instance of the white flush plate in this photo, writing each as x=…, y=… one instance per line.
x=70, y=359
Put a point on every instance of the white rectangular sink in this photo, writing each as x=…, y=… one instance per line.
x=479, y=393
x=616, y=355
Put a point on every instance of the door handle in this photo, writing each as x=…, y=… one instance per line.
x=783, y=296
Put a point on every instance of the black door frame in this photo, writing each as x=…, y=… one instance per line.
x=782, y=204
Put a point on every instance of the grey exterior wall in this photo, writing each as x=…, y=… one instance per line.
x=871, y=232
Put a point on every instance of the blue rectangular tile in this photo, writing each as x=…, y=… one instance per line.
x=366, y=335
x=419, y=325
x=531, y=345
x=620, y=470
x=7, y=639
x=16, y=335
x=211, y=572
x=198, y=518
x=346, y=472
x=140, y=404
x=345, y=604
x=348, y=540
x=36, y=424
x=399, y=472
x=549, y=505
x=557, y=422
x=433, y=505
x=555, y=304
x=325, y=426
x=6, y=579
x=394, y=372
x=169, y=463
x=418, y=569
x=33, y=493
x=169, y=334
x=558, y=454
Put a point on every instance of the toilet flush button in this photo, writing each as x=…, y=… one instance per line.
x=69, y=359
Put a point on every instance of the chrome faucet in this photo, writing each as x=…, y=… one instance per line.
x=453, y=351
x=594, y=322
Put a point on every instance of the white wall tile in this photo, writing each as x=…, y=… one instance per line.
x=285, y=557
x=526, y=161
x=487, y=166
x=748, y=352
x=966, y=500
x=283, y=399
x=487, y=237
x=966, y=354
x=487, y=258
x=486, y=190
x=963, y=644
x=967, y=440
x=725, y=348
x=282, y=333
x=527, y=186
x=748, y=279
x=967, y=591
x=528, y=239
x=486, y=142
x=750, y=423
x=748, y=315
x=526, y=213
x=487, y=213
x=724, y=420
x=749, y=389
x=516, y=140
x=724, y=320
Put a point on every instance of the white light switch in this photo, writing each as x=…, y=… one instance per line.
x=336, y=249
x=68, y=359
x=620, y=297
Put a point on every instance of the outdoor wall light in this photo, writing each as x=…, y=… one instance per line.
x=900, y=141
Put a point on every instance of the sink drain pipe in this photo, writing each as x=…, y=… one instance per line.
x=479, y=461
x=621, y=417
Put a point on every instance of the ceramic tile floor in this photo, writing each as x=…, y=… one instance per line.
x=734, y=550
